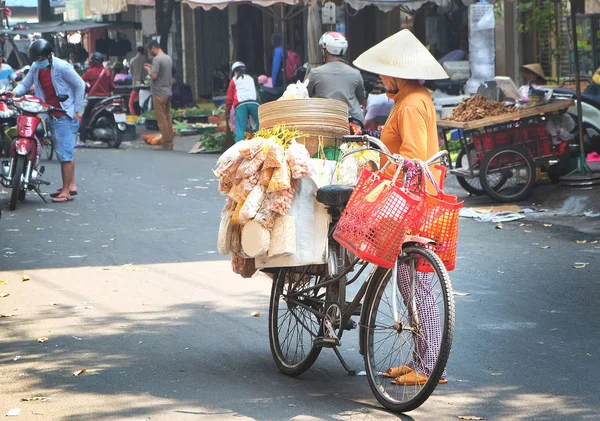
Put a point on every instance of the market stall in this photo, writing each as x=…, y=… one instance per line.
x=498, y=146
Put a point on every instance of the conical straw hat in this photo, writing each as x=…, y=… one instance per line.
x=403, y=56
x=535, y=68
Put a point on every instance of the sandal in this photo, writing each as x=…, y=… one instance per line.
x=62, y=199
x=413, y=379
x=57, y=193
x=398, y=371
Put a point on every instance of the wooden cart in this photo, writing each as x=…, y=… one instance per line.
x=496, y=155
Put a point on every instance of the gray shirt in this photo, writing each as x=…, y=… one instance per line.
x=337, y=80
x=163, y=66
x=136, y=68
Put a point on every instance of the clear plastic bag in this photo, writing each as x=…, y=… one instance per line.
x=252, y=204
x=298, y=160
x=251, y=166
x=281, y=201
x=281, y=178
x=224, y=238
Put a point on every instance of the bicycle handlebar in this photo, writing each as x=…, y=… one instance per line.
x=397, y=158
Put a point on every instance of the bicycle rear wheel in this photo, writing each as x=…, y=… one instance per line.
x=418, y=338
x=292, y=326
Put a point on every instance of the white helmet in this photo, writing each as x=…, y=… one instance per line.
x=237, y=65
x=334, y=42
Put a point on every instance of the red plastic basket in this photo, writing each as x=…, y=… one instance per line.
x=440, y=224
x=377, y=218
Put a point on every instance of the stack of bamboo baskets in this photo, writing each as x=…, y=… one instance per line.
x=319, y=119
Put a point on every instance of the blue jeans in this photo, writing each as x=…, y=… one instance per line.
x=242, y=111
x=64, y=133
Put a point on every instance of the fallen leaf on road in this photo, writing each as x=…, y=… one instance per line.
x=132, y=268
x=580, y=265
x=42, y=340
x=580, y=241
x=25, y=278
x=547, y=225
x=8, y=315
x=3, y=282
x=255, y=314
x=461, y=294
x=545, y=247
x=79, y=372
x=35, y=398
x=470, y=417
x=499, y=226
x=13, y=412
x=4, y=295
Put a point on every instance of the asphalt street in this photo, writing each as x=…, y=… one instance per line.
x=125, y=282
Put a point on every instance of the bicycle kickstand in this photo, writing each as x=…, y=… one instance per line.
x=350, y=371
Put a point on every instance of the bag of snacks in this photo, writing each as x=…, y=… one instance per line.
x=224, y=238
x=265, y=176
x=235, y=218
x=275, y=156
x=281, y=201
x=281, y=179
x=298, y=160
x=252, y=204
x=251, y=166
x=255, y=239
x=283, y=236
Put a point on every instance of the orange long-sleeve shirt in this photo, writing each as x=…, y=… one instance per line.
x=411, y=129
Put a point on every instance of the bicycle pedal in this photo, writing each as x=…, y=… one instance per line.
x=323, y=342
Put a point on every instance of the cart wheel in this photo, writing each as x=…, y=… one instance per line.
x=473, y=185
x=513, y=165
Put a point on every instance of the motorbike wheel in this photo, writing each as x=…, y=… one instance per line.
x=49, y=148
x=117, y=137
x=16, y=182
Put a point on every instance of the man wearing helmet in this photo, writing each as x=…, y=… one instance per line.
x=99, y=84
x=336, y=79
x=52, y=78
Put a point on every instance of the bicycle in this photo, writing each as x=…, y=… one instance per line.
x=308, y=310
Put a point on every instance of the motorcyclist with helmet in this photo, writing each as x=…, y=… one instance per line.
x=53, y=78
x=99, y=85
x=335, y=79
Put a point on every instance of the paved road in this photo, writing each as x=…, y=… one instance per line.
x=126, y=283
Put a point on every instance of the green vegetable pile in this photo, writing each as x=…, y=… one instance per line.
x=213, y=141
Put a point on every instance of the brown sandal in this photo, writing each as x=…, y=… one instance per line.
x=397, y=371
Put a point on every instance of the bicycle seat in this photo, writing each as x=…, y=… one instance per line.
x=334, y=195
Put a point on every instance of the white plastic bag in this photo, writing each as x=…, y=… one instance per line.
x=324, y=171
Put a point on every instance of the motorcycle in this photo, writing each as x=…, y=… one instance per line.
x=108, y=121
x=20, y=171
x=590, y=110
x=8, y=114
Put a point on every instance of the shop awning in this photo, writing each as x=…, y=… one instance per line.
x=387, y=5
x=72, y=26
x=222, y=4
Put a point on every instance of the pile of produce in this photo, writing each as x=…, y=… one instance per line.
x=259, y=178
x=478, y=107
x=213, y=141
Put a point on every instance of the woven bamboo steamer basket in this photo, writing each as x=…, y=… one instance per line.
x=317, y=118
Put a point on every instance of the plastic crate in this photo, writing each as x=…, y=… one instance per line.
x=151, y=124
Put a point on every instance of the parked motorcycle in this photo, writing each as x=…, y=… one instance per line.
x=590, y=108
x=107, y=122
x=20, y=171
x=8, y=114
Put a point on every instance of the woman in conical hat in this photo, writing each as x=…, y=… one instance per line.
x=402, y=63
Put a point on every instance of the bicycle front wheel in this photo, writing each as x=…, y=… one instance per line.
x=408, y=332
x=293, y=324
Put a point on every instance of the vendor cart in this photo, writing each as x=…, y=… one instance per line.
x=497, y=155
